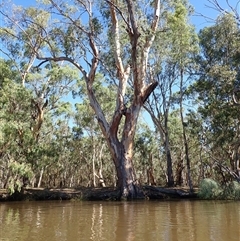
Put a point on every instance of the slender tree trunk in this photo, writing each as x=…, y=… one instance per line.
x=40, y=178
x=185, y=142
x=163, y=131
x=201, y=173
x=71, y=181
x=179, y=171
x=170, y=181
x=150, y=174
x=94, y=171
x=101, y=179
x=187, y=161
x=93, y=163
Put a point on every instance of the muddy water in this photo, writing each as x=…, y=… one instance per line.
x=120, y=221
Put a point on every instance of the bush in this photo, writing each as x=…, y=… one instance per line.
x=209, y=189
x=232, y=191
x=236, y=188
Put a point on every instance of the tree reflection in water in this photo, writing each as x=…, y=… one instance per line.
x=118, y=221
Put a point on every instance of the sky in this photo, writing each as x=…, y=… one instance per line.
x=200, y=6
x=206, y=9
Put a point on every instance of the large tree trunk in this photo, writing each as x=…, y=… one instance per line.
x=127, y=181
x=122, y=154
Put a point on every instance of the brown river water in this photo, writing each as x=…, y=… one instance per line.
x=120, y=221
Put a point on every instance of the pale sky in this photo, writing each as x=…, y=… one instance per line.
x=202, y=7
x=199, y=6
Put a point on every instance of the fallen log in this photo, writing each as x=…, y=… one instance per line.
x=153, y=192
x=91, y=194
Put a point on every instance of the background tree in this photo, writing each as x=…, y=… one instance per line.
x=172, y=64
x=15, y=135
x=218, y=78
x=43, y=88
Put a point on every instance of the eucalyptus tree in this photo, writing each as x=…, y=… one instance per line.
x=14, y=120
x=217, y=81
x=147, y=155
x=25, y=159
x=186, y=46
x=72, y=31
x=91, y=133
x=33, y=96
x=171, y=69
x=47, y=84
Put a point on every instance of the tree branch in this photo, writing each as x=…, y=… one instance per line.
x=115, y=30
x=219, y=8
x=62, y=58
x=150, y=38
x=119, y=11
x=148, y=91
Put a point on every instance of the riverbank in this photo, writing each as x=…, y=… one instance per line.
x=83, y=193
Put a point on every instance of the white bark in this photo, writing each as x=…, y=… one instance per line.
x=40, y=178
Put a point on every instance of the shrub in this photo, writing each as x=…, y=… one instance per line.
x=233, y=190
x=209, y=189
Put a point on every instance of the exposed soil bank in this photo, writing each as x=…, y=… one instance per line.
x=150, y=192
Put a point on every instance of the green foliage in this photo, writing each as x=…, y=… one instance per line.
x=15, y=106
x=209, y=189
x=64, y=107
x=18, y=172
x=40, y=16
x=231, y=191
x=181, y=38
x=235, y=190
x=218, y=75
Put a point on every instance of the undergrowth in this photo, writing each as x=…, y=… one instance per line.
x=210, y=189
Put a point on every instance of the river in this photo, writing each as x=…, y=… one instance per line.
x=120, y=221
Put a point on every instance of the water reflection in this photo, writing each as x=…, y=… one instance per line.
x=120, y=221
